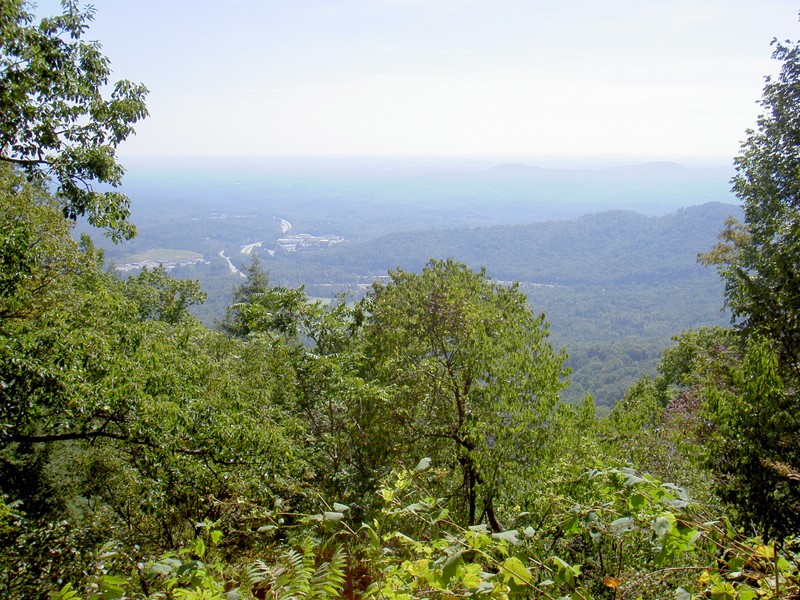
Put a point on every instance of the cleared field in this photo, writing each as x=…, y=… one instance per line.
x=164, y=255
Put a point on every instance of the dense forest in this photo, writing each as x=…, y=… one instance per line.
x=411, y=444
x=615, y=285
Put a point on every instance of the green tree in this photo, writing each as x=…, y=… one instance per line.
x=662, y=424
x=54, y=119
x=759, y=260
x=29, y=241
x=471, y=378
x=335, y=402
x=259, y=307
x=160, y=297
x=756, y=446
x=63, y=325
x=119, y=416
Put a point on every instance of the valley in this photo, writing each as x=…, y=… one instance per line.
x=615, y=282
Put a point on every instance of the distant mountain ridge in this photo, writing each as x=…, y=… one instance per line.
x=615, y=285
x=637, y=171
x=612, y=247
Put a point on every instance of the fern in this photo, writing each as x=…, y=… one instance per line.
x=297, y=575
x=329, y=578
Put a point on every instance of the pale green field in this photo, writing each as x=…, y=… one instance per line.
x=163, y=255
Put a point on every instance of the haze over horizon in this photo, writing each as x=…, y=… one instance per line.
x=675, y=80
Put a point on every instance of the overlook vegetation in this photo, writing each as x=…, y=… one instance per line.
x=410, y=444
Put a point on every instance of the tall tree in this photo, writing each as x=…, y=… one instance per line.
x=471, y=378
x=760, y=261
x=756, y=448
x=54, y=119
x=259, y=307
x=760, y=258
x=160, y=297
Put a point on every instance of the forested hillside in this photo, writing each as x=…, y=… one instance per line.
x=615, y=286
x=410, y=444
x=609, y=248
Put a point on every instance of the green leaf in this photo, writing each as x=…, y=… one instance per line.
x=374, y=540
x=571, y=526
x=159, y=569
x=637, y=501
x=723, y=591
x=736, y=564
x=451, y=567
x=516, y=569
x=419, y=568
x=114, y=580
x=746, y=593
x=65, y=593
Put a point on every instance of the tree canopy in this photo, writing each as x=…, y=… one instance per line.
x=759, y=259
x=54, y=118
x=472, y=375
x=410, y=445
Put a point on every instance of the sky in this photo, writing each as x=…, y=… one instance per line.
x=651, y=78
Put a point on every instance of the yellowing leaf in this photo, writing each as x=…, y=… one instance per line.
x=765, y=551
x=515, y=569
x=419, y=568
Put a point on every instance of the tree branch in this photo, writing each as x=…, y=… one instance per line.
x=29, y=162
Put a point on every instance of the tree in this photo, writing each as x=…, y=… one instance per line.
x=757, y=445
x=117, y=412
x=54, y=120
x=471, y=378
x=759, y=260
x=160, y=297
x=29, y=241
x=259, y=307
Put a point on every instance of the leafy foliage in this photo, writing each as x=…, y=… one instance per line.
x=197, y=462
x=54, y=119
x=160, y=297
x=630, y=536
x=118, y=412
x=760, y=262
x=757, y=450
x=760, y=258
x=472, y=376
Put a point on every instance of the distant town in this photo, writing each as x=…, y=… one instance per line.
x=306, y=241
x=169, y=265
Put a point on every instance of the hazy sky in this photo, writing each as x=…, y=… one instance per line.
x=658, y=78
